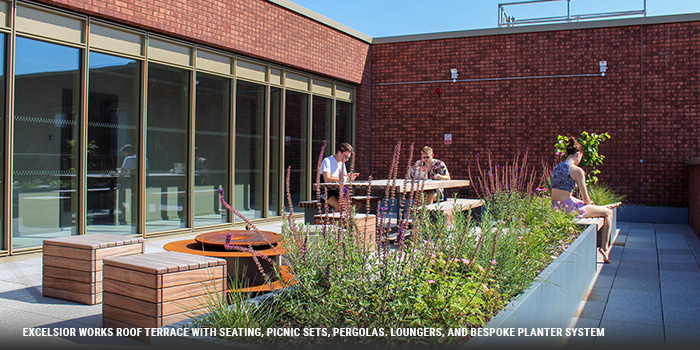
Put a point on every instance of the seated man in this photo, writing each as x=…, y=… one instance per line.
x=429, y=168
x=332, y=168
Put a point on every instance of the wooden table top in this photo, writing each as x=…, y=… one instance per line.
x=243, y=238
x=191, y=246
x=402, y=185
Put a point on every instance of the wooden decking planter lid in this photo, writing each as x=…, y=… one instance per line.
x=93, y=241
x=163, y=262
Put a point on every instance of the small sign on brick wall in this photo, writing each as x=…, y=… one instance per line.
x=448, y=139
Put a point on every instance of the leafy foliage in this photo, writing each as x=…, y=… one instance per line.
x=591, y=157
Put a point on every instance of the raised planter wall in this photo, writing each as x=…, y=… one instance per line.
x=694, y=194
x=552, y=299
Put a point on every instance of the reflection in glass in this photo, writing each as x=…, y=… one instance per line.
x=211, y=148
x=295, y=146
x=3, y=245
x=166, y=148
x=250, y=160
x=321, y=129
x=47, y=107
x=275, y=130
x=112, y=166
x=343, y=122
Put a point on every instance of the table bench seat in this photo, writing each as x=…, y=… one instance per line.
x=448, y=207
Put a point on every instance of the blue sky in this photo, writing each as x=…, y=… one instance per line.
x=379, y=18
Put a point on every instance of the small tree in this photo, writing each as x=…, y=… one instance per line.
x=591, y=157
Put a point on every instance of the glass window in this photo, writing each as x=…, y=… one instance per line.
x=3, y=245
x=275, y=133
x=250, y=159
x=47, y=107
x=295, y=146
x=343, y=123
x=321, y=129
x=113, y=139
x=166, y=148
x=211, y=161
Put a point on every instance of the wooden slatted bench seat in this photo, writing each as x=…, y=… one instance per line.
x=599, y=223
x=157, y=289
x=460, y=204
x=591, y=221
x=310, y=209
x=366, y=223
x=72, y=266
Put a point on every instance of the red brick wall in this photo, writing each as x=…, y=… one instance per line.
x=255, y=28
x=648, y=101
x=694, y=196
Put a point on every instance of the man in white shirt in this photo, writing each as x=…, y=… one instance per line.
x=332, y=168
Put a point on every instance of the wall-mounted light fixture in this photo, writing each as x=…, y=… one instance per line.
x=603, y=65
x=454, y=74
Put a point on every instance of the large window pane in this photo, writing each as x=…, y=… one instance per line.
x=250, y=132
x=166, y=148
x=275, y=134
x=3, y=244
x=47, y=100
x=113, y=123
x=211, y=148
x=295, y=146
x=321, y=129
x=343, y=122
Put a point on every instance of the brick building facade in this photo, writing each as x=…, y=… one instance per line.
x=647, y=100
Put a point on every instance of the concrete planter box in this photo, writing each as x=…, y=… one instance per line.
x=552, y=299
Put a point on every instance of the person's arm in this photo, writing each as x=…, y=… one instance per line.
x=443, y=173
x=580, y=177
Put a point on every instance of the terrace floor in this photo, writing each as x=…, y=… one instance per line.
x=648, y=297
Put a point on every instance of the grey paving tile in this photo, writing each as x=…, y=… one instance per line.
x=681, y=299
x=684, y=316
x=598, y=294
x=672, y=266
x=634, y=298
x=679, y=275
x=633, y=313
x=628, y=335
x=640, y=244
x=673, y=244
x=592, y=310
x=650, y=284
x=604, y=281
x=682, y=337
x=677, y=258
x=673, y=285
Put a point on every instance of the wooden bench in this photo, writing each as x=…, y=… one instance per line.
x=449, y=206
x=366, y=225
x=157, y=289
x=599, y=223
x=72, y=266
x=311, y=207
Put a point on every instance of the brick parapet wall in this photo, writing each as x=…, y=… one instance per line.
x=255, y=28
x=694, y=194
x=648, y=101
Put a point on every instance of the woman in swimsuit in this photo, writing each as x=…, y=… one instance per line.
x=565, y=176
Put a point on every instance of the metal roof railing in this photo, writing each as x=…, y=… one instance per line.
x=504, y=20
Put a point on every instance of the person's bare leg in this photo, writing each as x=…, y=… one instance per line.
x=594, y=211
x=430, y=196
x=333, y=202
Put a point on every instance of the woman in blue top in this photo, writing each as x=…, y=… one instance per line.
x=565, y=176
